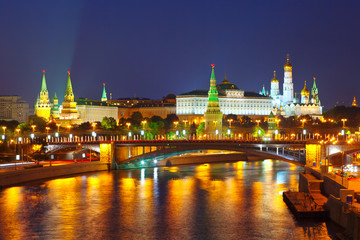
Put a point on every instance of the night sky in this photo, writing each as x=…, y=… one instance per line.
x=152, y=48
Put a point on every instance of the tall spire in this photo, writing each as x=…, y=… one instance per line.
x=213, y=115
x=104, y=97
x=212, y=78
x=69, y=95
x=354, y=104
x=43, y=84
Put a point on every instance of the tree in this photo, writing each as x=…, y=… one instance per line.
x=24, y=127
x=200, y=129
x=246, y=121
x=136, y=118
x=85, y=126
x=39, y=122
x=108, y=123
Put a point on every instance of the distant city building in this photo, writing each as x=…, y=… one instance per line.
x=95, y=111
x=13, y=108
x=287, y=104
x=42, y=105
x=148, y=110
x=147, y=107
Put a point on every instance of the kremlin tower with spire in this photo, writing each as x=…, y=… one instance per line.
x=104, y=96
x=42, y=105
x=55, y=107
x=213, y=115
x=69, y=113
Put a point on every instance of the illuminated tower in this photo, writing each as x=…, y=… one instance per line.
x=274, y=89
x=213, y=115
x=354, y=104
x=55, y=107
x=42, y=106
x=305, y=94
x=69, y=110
x=315, y=94
x=104, y=97
x=288, y=87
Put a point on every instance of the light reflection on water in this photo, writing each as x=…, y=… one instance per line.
x=240, y=200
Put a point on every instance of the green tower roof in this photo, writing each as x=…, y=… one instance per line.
x=212, y=72
x=55, y=97
x=104, y=97
x=43, y=84
x=69, y=86
x=314, y=85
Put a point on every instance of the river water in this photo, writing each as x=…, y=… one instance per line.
x=239, y=200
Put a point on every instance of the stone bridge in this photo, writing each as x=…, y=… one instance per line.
x=146, y=153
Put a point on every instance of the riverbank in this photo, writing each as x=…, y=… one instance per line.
x=8, y=179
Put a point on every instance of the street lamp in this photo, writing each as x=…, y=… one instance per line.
x=185, y=121
x=176, y=123
x=69, y=127
x=143, y=123
x=344, y=120
x=230, y=121
x=303, y=122
x=47, y=130
x=94, y=125
x=4, y=128
x=128, y=125
x=18, y=131
x=258, y=122
x=33, y=127
x=277, y=122
x=58, y=126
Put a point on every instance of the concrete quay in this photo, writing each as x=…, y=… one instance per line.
x=12, y=178
x=331, y=196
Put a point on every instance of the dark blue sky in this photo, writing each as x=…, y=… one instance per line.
x=152, y=48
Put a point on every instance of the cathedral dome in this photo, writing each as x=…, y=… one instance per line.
x=224, y=85
x=287, y=64
x=305, y=92
x=274, y=79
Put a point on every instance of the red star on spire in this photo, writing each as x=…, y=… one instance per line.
x=212, y=65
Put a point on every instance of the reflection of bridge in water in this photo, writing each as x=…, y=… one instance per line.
x=147, y=153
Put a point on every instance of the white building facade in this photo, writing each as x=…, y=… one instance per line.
x=231, y=100
x=13, y=108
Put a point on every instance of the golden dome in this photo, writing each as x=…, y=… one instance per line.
x=274, y=79
x=305, y=92
x=287, y=64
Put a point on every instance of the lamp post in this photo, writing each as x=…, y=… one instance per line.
x=69, y=127
x=230, y=121
x=258, y=122
x=185, y=121
x=94, y=126
x=128, y=125
x=277, y=122
x=344, y=120
x=33, y=127
x=143, y=123
x=47, y=130
x=4, y=129
x=58, y=126
x=176, y=123
x=303, y=122
x=18, y=131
